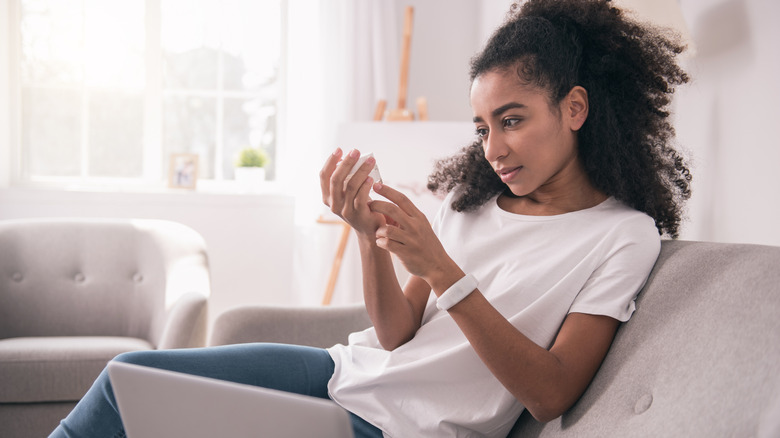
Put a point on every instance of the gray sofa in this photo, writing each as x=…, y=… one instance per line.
x=76, y=292
x=699, y=358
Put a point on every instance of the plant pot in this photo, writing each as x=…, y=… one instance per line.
x=250, y=179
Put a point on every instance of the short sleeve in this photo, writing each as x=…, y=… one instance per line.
x=614, y=285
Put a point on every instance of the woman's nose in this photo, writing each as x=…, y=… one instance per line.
x=494, y=147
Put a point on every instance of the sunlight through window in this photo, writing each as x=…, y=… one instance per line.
x=112, y=88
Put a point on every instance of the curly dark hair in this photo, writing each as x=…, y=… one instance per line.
x=629, y=71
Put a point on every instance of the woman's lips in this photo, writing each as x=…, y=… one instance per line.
x=507, y=174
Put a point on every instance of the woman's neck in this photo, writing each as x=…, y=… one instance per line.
x=548, y=200
x=531, y=206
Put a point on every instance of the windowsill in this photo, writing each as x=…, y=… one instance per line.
x=107, y=200
x=133, y=187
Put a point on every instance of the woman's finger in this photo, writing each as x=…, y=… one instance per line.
x=398, y=199
x=390, y=244
x=326, y=172
x=361, y=200
x=359, y=177
x=392, y=233
x=343, y=168
x=336, y=183
x=390, y=210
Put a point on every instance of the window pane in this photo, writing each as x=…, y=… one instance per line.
x=82, y=45
x=190, y=40
x=85, y=97
x=65, y=43
x=189, y=126
x=251, y=41
x=115, y=134
x=248, y=122
x=51, y=42
x=51, y=131
x=114, y=43
x=236, y=40
x=191, y=69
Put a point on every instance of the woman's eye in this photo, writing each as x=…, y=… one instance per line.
x=481, y=132
x=508, y=123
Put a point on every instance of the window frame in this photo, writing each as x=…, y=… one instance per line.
x=155, y=164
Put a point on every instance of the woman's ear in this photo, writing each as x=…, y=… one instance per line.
x=576, y=109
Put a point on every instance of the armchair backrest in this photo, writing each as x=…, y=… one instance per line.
x=94, y=277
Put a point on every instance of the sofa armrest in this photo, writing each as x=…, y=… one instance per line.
x=313, y=326
x=186, y=323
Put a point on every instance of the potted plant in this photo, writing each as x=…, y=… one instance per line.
x=250, y=167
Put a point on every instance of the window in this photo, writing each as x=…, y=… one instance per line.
x=113, y=88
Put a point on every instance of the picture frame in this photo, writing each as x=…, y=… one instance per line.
x=183, y=172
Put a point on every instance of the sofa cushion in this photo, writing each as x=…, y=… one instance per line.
x=45, y=369
x=700, y=358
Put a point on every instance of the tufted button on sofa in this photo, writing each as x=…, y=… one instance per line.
x=74, y=293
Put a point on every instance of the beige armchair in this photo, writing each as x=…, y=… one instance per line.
x=76, y=292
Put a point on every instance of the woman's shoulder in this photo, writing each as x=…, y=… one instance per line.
x=611, y=224
x=628, y=227
x=625, y=216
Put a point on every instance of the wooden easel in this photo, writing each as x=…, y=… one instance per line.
x=336, y=267
x=402, y=114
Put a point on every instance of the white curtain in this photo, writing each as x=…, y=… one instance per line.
x=341, y=56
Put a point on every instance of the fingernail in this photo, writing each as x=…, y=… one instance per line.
x=354, y=153
x=371, y=160
x=378, y=185
x=337, y=151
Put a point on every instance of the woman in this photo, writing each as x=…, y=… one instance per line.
x=549, y=230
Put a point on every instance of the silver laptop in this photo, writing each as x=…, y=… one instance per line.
x=157, y=403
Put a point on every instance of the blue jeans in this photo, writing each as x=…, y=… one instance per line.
x=291, y=368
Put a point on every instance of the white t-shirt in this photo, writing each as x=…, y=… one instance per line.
x=534, y=270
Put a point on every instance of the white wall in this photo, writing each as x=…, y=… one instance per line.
x=5, y=134
x=445, y=37
x=728, y=118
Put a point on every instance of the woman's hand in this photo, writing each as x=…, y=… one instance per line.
x=350, y=201
x=407, y=233
x=395, y=316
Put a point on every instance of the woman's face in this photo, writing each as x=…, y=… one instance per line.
x=530, y=144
